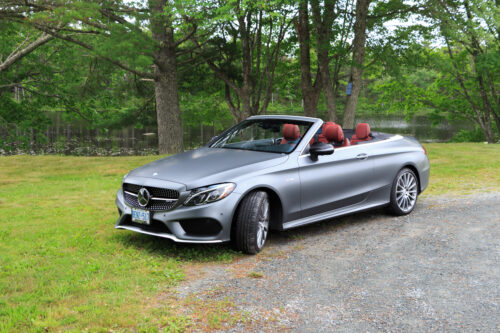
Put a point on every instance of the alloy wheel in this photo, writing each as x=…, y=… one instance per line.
x=263, y=225
x=406, y=191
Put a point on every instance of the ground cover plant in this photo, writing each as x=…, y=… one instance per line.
x=64, y=267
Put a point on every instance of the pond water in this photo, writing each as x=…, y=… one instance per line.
x=74, y=138
x=419, y=126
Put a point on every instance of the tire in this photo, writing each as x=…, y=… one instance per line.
x=252, y=223
x=404, y=192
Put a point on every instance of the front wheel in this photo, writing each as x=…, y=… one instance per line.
x=252, y=223
x=404, y=192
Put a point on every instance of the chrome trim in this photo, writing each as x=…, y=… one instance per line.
x=169, y=236
x=153, y=198
x=164, y=199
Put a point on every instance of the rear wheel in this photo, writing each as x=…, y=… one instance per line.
x=404, y=192
x=252, y=223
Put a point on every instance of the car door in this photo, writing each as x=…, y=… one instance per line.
x=335, y=181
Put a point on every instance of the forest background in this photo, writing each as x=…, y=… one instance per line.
x=157, y=76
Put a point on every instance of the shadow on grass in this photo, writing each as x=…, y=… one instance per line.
x=183, y=252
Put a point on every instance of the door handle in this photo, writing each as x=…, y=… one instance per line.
x=362, y=156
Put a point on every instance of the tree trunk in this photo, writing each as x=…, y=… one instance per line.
x=168, y=112
x=310, y=101
x=327, y=85
x=496, y=100
x=497, y=121
x=246, y=107
x=246, y=63
x=358, y=60
x=487, y=108
x=310, y=91
x=323, y=24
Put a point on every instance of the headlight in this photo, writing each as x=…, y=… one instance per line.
x=204, y=195
x=124, y=176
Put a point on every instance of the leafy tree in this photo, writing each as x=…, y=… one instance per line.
x=142, y=38
x=243, y=49
x=117, y=62
x=470, y=30
x=459, y=79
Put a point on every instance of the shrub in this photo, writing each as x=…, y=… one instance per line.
x=475, y=135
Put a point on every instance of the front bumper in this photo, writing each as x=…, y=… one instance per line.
x=178, y=223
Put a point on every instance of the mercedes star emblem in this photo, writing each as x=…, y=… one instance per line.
x=143, y=197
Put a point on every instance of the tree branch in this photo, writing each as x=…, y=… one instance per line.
x=186, y=37
x=19, y=54
x=91, y=48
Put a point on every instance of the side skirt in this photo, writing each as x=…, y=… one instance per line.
x=330, y=215
x=370, y=202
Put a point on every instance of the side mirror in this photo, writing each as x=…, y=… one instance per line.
x=320, y=148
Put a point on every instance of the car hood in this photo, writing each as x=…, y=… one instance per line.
x=206, y=166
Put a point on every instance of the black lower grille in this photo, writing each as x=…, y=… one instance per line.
x=130, y=194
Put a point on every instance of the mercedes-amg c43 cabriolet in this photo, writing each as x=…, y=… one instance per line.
x=271, y=172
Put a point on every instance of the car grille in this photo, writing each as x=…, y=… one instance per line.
x=130, y=193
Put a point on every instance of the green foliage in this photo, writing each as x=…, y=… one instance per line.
x=475, y=135
x=408, y=69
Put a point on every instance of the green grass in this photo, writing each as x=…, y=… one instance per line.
x=63, y=267
x=62, y=264
x=463, y=168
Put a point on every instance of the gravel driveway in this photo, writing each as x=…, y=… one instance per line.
x=437, y=269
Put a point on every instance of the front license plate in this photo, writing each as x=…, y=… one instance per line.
x=140, y=216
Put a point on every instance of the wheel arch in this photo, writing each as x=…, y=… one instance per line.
x=276, y=219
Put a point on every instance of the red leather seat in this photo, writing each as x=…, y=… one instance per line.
x=335, y=136
x=362, y=133
x=321, y=136
x=291, y=134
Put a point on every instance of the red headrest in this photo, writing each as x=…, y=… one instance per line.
x=326, y=124
x=333, y=133
x=362, y=131
x=291, y=132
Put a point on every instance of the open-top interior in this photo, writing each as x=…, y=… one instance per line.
x=334, y=134
x=282, y=136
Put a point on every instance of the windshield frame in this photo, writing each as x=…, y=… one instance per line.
x=309, y=124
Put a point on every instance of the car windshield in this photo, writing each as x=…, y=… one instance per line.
x=268, y=135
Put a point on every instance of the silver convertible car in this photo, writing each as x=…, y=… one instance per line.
x=271, y=172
